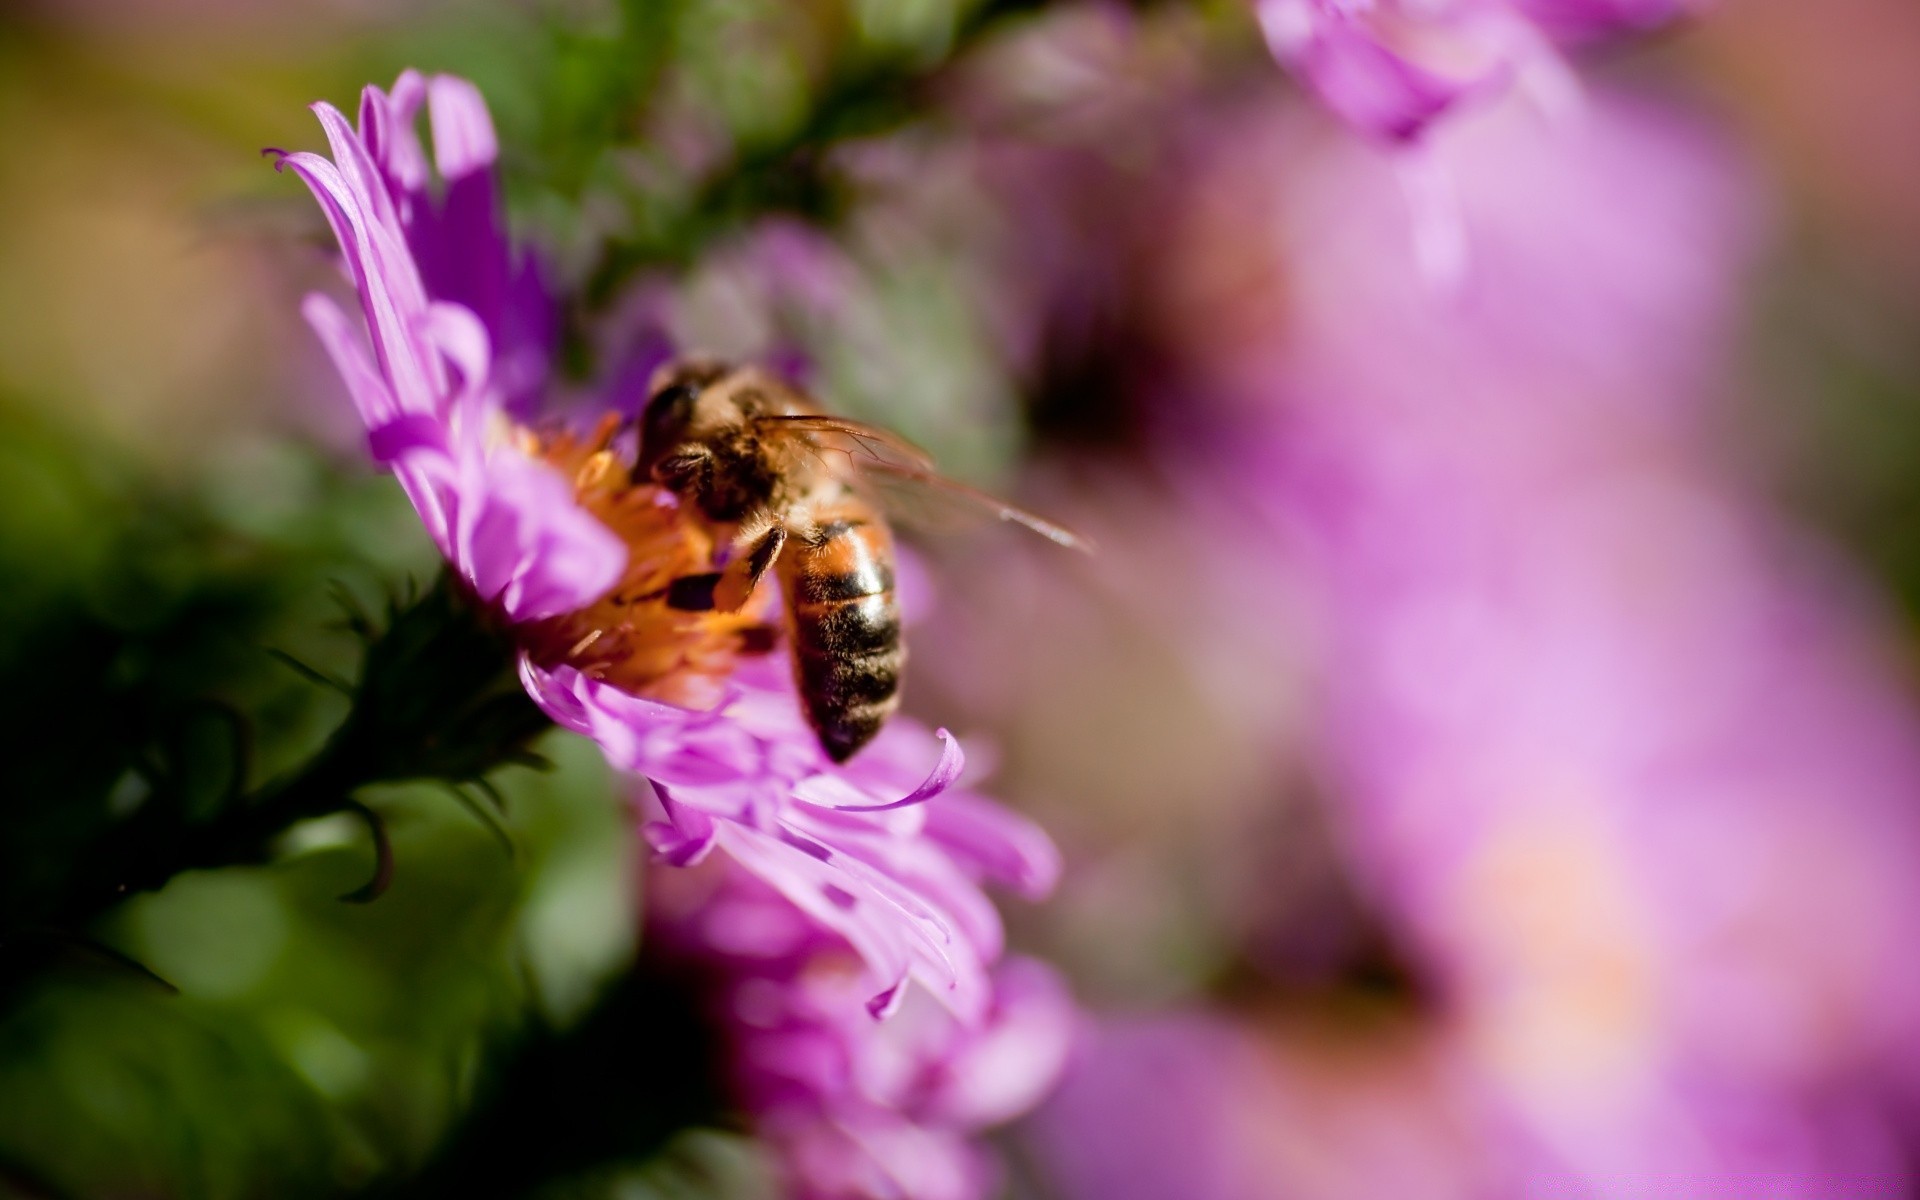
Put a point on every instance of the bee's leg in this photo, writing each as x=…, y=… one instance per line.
x=756, y=640
x=692, y=593
x=744, y=573
x=727, y=590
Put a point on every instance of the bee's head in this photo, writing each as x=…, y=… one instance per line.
x=690, y=434
x=680, y=412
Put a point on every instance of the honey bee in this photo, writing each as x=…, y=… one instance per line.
x=786, y=488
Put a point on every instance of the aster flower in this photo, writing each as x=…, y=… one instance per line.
x=855, y=848
x=545, y=526
x=854, y=1109
x=1393, y=68
x=1610, y=744
x=1390, y=70
x=1614, y=751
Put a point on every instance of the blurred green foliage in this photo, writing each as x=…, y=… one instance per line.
x=313, y=1045
x=1832, y=410
x=141, y=617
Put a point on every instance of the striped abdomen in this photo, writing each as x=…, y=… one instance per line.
x=846, y=628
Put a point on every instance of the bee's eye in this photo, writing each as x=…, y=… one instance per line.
x=667, y=413
x=663, y=425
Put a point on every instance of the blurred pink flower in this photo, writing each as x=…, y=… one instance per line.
x=1620, y=756
x=1202, y=1106
x=855, y=1109
x=1392, y=68
x=1616, y=749
x=549, y=530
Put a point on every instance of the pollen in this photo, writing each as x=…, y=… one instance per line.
x=630, y=637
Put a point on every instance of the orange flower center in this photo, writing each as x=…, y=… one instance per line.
x=630, y=637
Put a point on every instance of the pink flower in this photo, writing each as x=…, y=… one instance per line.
x=1626, y=763
x=1610, y=743
x=855, y=1109
x=1392, y=68
x=547, y=527
x=858, y=848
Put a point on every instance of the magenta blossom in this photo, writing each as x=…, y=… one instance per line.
x=1392, y=68
x=1620, y=758
x=855, y=1109
x=547, y=528
x=1610, y=744
x=857, y=848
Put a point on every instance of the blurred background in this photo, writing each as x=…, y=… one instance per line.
x=1485, y=747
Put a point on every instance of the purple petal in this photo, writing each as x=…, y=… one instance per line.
x=1009, y=1065
x=952, y=762
x=357, y=167
x=348, y=350
x=523, y=541
x=685, y=838
x=1002, y=845
x=386, y=124
x=1391, y=85
x=461, y=339
x=384, y=275
x=886, y=943
x=404, y=436
x=885, y=1003
x=463, y=137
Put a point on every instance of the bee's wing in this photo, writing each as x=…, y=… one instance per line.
x=929, y=498
x=866, y=445
x=902, y=478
